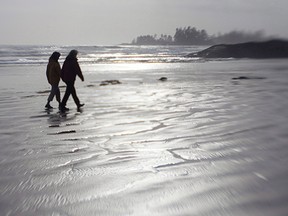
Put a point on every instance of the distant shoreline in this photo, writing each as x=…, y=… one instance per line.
x=198, y=37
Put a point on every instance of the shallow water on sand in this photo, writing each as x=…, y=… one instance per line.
x=200, y=143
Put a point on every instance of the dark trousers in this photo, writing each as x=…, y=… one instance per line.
x=70, y=89
x=54, y=92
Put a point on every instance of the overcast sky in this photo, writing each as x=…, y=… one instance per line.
x=109, y=22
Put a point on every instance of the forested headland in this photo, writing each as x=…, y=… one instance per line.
x=193, y=36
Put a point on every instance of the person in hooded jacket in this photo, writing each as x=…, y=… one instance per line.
x=70, y=70
x=53, y=72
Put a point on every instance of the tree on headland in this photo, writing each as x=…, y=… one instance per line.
x=145, y=40
x=165, y=39
x=192, y=36
x=153, y=40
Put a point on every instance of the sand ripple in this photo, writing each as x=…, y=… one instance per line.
x=198, y=145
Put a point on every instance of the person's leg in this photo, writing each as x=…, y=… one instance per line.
x=67, y=94
x=50, y=97
x=57, y=94
x=74, y=95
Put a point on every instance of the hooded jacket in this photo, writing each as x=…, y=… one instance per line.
x=53, y=72
x=70, y=70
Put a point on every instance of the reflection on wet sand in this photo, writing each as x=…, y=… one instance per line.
x=198, y=145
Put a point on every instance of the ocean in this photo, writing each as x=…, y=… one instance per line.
x=210, y=140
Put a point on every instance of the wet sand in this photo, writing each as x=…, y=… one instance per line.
x=200, y=143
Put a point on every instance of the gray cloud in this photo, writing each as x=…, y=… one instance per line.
x=115, y=21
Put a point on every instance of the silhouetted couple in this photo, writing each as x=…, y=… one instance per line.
x=70, y=70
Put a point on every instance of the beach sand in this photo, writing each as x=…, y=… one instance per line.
x=198, y=144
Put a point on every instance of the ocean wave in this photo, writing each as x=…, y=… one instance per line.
x=31, y=55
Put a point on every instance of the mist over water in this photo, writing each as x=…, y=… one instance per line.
x=201, y=143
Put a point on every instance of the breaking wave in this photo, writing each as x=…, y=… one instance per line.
x=30, y=55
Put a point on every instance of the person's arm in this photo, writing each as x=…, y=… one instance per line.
x=58, y=69
x=79, y=72
x=47, y=74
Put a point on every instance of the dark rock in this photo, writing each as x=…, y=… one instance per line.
x=63, y=132
x=110, y=82
x=52, y=126
x=91, y=85
x=257, y=50
x=163, y=79
x=240, y=78
x=246, y=78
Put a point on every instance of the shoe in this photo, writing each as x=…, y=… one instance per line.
x=80, y=105
x=48, y=106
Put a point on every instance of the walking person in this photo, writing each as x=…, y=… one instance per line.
x=70, y=70
x=53, y=72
